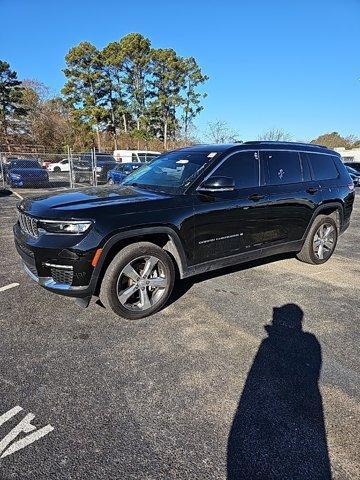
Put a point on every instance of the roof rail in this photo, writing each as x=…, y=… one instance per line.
x=275, y=142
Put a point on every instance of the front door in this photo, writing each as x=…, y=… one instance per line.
x=229, y=223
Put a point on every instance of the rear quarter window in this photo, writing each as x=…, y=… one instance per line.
x=323, y=166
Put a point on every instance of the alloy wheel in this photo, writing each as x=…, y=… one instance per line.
x=324, y=241
x=142, y=283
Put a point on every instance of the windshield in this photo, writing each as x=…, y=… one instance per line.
x=24, y=164
x=171, y=172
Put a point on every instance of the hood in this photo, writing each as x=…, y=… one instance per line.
x=82, y=202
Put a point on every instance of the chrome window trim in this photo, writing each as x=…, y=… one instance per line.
x=260, y=150
x=225, y=189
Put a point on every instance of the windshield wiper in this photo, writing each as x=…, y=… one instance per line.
x=145, y=186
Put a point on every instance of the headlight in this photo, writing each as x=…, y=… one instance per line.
x=15, y=176
x=72, y=227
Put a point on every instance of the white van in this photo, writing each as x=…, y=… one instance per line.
x=126, y=156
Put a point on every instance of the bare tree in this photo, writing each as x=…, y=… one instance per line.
x=221, y=132
x=275, y=135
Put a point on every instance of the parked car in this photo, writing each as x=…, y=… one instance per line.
x=26, y=173
x=83, y=167
x=62, y=166
x=191, y=210
x=353, y=165
x=134, y=156
x=120, y=172
x=354, y=175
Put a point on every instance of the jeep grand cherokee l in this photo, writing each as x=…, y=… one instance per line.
x=189, y=211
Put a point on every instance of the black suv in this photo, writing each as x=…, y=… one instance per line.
x=189, y=211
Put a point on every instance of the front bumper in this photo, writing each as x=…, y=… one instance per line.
x=59, y=270
x=51, y=284
x=25, y=182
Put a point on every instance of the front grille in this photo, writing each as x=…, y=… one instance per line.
x=28, y=225
x=61, y=275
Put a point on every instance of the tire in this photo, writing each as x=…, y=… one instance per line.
x=117, y=284
x=308, y=253
x=57, y=169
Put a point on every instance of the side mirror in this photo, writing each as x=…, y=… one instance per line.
x=217, y=184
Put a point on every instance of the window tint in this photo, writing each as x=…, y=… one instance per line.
x=323, y=166
x=243, y=167
x=283, y=167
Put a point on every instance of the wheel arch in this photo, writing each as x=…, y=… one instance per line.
x=165, y=237
x=332, y=209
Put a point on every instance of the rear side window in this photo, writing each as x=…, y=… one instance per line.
x=283, y=167
x=243, y=167
x=323, y=166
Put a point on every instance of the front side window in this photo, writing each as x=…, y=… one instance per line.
x=323, y=166
x=243, y=167
x=172, y=172
x=134, y=157
x=283, y=167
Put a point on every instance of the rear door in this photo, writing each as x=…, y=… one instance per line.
x=292, y=195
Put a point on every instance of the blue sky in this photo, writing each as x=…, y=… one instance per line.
x=289, y=64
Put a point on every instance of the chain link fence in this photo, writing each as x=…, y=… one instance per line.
x=53, y=171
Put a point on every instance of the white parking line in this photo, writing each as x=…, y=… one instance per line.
x=18, y=195
x=24, y=426
x=7, y=287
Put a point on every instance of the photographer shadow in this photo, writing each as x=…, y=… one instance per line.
x=278, y=430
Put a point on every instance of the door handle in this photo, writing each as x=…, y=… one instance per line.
x=255, y=197
x=312, y=190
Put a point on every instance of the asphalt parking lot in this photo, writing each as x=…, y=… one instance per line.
x=252, y=374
